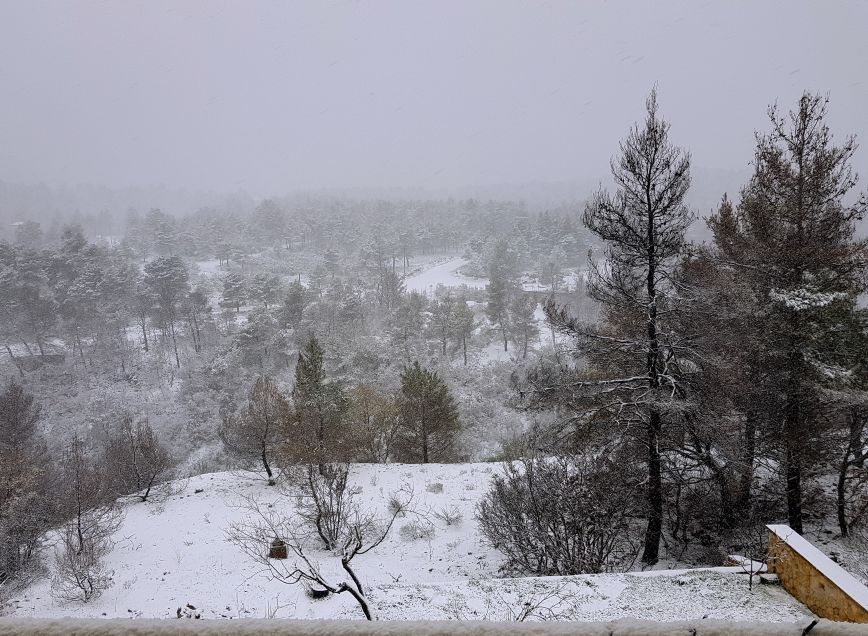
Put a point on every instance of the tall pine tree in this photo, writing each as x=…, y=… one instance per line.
x=792, y=238
x=633, y=374
x=319, y=407
x=429, y=416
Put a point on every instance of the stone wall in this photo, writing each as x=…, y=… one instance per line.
x=814, y=579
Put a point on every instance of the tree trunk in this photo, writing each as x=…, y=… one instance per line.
x=793, y=442
x=346, y=565
x=267, y=467
x=842, y=495
x=654, y=529
x=80, y=348
x=144, y=324
x=361, y=600
x=197, y=337
x=464, y=345
x=174, y=343
x=794, y=485
x=747, y=460
x=727, y=504
x=320, y=441
x=854, y=447
x=424, y=437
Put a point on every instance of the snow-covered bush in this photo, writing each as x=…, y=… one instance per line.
x=417, y=530
x=450, y=515
x=560, y=516
x=79, y=562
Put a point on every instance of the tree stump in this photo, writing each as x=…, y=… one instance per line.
x=277, y=549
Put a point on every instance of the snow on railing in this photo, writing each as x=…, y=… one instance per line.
x=279, y=627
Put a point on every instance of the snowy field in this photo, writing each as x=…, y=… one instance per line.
x=446, y=274
x=175, y=554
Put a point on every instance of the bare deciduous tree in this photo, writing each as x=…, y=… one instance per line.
x=374, y=421
x=325, y=500
x=136, y=460
x=362, y=533
x=254, y=435
x=86, y=537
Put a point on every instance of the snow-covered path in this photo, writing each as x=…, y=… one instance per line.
x=445, y=274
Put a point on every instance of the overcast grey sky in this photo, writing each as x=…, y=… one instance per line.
x=273, y=96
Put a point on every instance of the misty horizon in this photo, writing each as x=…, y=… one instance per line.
x=269, y=99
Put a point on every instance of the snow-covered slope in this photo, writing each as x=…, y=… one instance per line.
x=175, y=554
x=446, y=274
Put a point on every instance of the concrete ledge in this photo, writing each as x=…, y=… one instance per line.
x=262, y=627
x=814, y=579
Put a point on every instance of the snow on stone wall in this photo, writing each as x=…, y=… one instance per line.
x=814, y=579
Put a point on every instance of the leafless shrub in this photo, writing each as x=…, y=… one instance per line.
x=375, y=422
x=85, y=539
x=507, y=602
x=435, y=488
x=362, y=533
x=751, y=542
x=254, y=436
x=559, y=516
x=395, y=506
x=25, y=513
x=856, y=555
x=541, y=603
x=417, y=530
x=79, y=560
x=450, y=515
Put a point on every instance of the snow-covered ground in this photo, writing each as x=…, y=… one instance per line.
x=176, y=553
x=446, y=274
x=211, y=267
